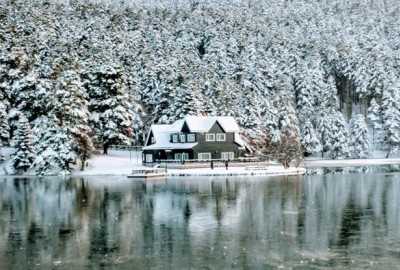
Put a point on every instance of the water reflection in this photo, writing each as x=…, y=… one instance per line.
x=355, y=169
x=347, y=221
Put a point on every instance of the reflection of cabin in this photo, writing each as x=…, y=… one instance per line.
x=195, y=137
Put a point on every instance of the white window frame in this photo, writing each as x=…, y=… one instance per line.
x=153, y=140
x=149, y=157
x=191, y=138
x=201, y=156
x=227, y=155
x=175, y=138
x=181, y=156
x=210, y=137
x=183, y=138
x=221, y=137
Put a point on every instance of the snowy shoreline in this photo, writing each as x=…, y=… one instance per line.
x=121, y=163
x=350, y=162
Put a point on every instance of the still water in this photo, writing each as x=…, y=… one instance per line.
x=313, y=221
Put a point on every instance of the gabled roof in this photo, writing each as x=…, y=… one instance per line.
x=204, y=123
x=162, y=133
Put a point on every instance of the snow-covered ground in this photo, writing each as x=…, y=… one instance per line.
x=115, y=163
x=122, y=163
x=119, y=162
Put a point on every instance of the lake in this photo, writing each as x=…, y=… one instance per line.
x=312, y=221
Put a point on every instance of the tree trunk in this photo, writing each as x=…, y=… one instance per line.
x=83, y=161
x=105, y=148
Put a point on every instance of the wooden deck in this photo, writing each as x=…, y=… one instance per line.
x=148, y=173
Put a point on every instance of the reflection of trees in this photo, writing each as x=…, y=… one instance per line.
x=253, y=223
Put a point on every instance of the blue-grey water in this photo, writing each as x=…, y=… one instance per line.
x=347, y=220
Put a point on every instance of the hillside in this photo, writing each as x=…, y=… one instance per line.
x=322, y=74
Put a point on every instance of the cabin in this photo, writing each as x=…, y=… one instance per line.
x=195, y=138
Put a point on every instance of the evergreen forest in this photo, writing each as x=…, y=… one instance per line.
x=303, y=77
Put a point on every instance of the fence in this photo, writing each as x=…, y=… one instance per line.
x=126, y=147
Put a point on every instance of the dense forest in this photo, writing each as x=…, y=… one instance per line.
x=300, y=75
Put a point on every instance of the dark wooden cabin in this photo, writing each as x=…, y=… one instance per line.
x=195, y=137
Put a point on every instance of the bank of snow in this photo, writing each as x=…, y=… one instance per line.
x=350, y=162
x=123, y=162
x=236, y=171
x=115, y=163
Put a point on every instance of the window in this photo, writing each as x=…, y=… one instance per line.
x=174, y=138
x=204, y=156
x=153, y=140
x=221, y=137
x=181, y=156
x=227, y=155
x=210, y=137
x=183, y=138
x=149, y=158
x=191, y=138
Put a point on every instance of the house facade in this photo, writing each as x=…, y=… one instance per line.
x=195, y=137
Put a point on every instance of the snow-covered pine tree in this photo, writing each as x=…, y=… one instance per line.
x=288, y=147
x=309, y=139
x=270, y=117
x=23, y=144
x=359, y=141
x=110, y=106
x=374, y=116
x=339, y=143
x=4, y=129
x=184, y=100
x=324, y=132
x=250, y=107
x=391, y=116
x=54, y=147
x=4, y=126
x=71, y=109
x=30, y=94
x=2, y=157
x=64, y=134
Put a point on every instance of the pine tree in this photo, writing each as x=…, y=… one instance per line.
x=110, y=106
x=391, y=117
x=55, y=149
x=23, y=144
x=309, y=140
x=71, y=109
x=30, y=95
x=64, y=135
x=359, y=143
x=4, y=126
x=288, y=147
x=339, y=144
x=374, y=115
x=324, y=133
x=2, y=157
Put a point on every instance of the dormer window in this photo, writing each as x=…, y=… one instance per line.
x=183, y=138
x=153, y=140
x=174, y=138
x=191, y=138
x=210, y=137
x=221, y=137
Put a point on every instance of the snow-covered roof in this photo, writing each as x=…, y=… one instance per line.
x=237, y=139
x=204, y=123
x=162, y=133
